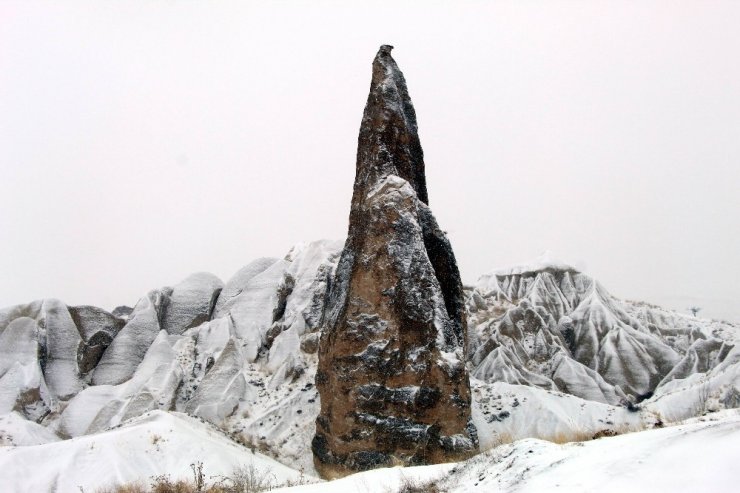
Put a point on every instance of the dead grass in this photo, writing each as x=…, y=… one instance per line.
x=409, y=485
x=501, y=439
x=244, y=479
x=135, y=487
x=569, y=435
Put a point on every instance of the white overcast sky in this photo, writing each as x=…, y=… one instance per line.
x=143, y=141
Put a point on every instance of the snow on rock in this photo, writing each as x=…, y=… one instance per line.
x=706, y=450
x=284, y=349
x=205, y=371
x=699, y=393
x=576, y=379
x=191, y=302
x=29, y=310
x=62, y=342
x=503, y=365
x=17, y=431
x=122, y=311
x=619, y=348
x=544, y=262
x=311, y=268
x=280, y=421
x=550, y=326
x=302, y=309
x=255, y=308
x=97, y=328
x=82, y=410
x=22, y=385
x=153, y=444
x=58, y=341
x=152, y=386
x=222, y=388
x=700, y=357
x=122, y=357
x=700, y=455
x=19, y=344
x=200, y=348
x=503, y=413
x=240, y=281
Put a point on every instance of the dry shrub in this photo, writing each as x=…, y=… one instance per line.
x=409, y=485
x=244, y=479
x=163, y=484
x=133, y=487
x=502, y=438
x=569, y=436
x=248, y=479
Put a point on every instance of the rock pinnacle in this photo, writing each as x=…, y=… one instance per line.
x=392, y=379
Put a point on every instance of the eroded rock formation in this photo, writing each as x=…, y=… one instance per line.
x=391, y=375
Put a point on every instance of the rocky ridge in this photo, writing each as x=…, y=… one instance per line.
x=553, y=327
x=254, y=376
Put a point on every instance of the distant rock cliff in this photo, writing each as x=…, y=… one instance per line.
x=392, y=379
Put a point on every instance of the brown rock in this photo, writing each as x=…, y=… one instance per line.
x=391, y=377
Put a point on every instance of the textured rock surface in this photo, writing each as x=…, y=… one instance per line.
x=98, y=328
x=392, y=378
x=62, y=342
x=122, y=357
x=191, y=302
x=22, y=385
x=240, y=282
x=547, y=325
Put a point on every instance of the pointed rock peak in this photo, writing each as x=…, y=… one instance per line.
x=389, y=142
x=386, y=72
x=391, y=375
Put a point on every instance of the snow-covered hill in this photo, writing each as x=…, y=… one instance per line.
x=553, y=355
x=697, y=456
x=156, y=443
x=549, y=326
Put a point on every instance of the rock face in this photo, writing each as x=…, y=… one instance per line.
x=22, y=385
x=98, y=328
x=548, y=325
x=123, y=355
x=191, y=302
x=391, y=377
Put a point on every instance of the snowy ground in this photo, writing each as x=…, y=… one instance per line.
x=153, y=444
x=698, y=456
